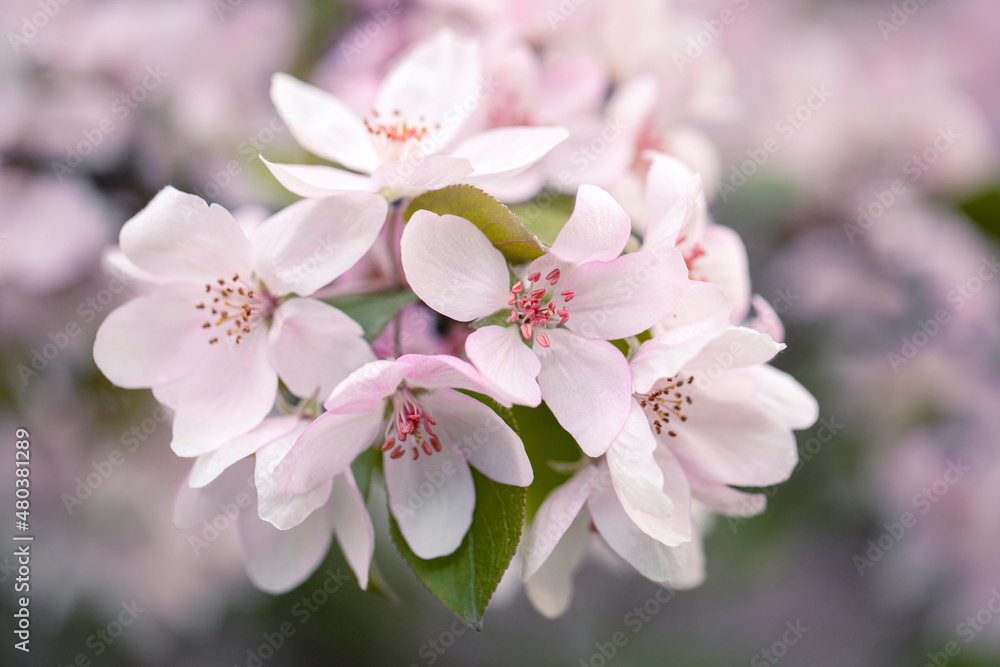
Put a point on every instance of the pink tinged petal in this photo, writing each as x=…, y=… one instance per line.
x=597, y=230
x=228, y=396
x=588, y=386
x=736, y=347
x=326, y=449
x=317, y=180
x=419, y=174
x=352, y=525
x=431, y=498
x=654, y=560
x=283, y=510
x=788, y=400
x=322, y=124
x=738, y=443
x=719, y=496
x=665, y=355
x=627, y=295
x=435, y=82
x=279, y=560
x=766, y=320
x=180, y=237
x=154, y=339
x=208, y=467
x=673, y=199
x=550, y=588
x=503, y=357
x=366, y=388
x=314, y=346
x=453, y=267
x=507, y=151
x=443, y=371
x=725, y=264
x=554, y=517
x=485, y=440
x=639, y=483
x=700, y=301
x=305, y=246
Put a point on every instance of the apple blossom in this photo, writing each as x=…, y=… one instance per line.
x=221, y=325
x=558, y=317
x=430, y=434
x=405, y=145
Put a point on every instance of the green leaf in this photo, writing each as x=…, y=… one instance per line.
x=501, y=227
x=546, y=214
x=466, y=579
x=373, y=311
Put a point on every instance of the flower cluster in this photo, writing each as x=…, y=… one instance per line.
x=633, y=327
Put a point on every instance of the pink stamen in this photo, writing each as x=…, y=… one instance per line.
x=553, y=276
x=543, y=339
x=533, y=278
x=568, y=295
x=526, y=331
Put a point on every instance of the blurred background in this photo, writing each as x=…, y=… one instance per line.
x=854, y=146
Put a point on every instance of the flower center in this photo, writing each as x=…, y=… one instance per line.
x=236, y=307
x=396, y=139
x=527, y=310
x=665, y=402
x=409, y=420
x=691, y=258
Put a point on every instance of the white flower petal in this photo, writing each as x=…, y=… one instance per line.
x=673, y=197
x=485, y=440
x=453, y=267
x=597, y=230
x=305, y=246
x=736, y=347
x=588, y=386
x=627, y=295
x=314, y=346
x=322, y=124
x=700, y=301
x=503, y=357
x=431, y=498
x=419, y=174
x=665, y=355
x=208, y=467
x=786, y=398
x=228, y=396
x=279, y=560
x=180, y=237
x=318, y=180
x=550, y=588
x=437, y=83
x=154, y=339
x=507, y=151
x=654, y=560
x=639, y=483
x=554, y=517
x=284, y=510
x=326, y=449
x=725, y=264
x=352, y=525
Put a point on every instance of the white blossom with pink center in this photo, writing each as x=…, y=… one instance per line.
x=557, y=320
x=429, y=433
x=222, y=322
x=404, y=146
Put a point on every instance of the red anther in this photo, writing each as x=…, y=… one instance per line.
x=512, y=300
x=553, y=276
x=568, y=295
x=543, y=339
x=436, y=444
x=526, y=331
x=516, y=289
x=430, y=419
x=537, y=294
x=535, y=276
x=552, y=306
x=416, y=453
x=427, y=448
x=513, y=316
x=563, y=312
x=564, y=319
x=389, y=444
x=396, y=453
